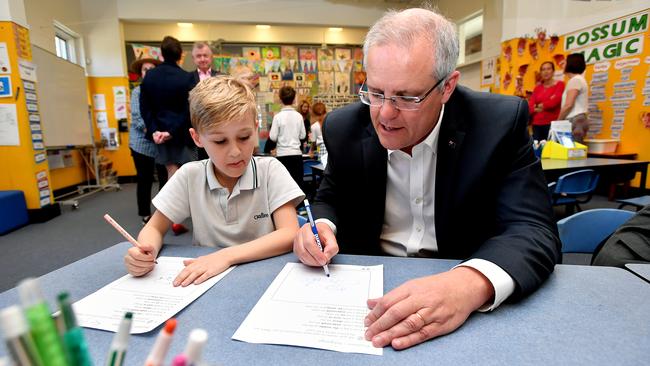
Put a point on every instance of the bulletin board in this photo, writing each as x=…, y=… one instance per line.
x=62, y=100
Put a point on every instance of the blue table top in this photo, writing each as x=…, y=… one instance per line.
x=581, y=315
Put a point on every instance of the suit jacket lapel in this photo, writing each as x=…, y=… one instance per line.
x=449, y=147
x=375, y=159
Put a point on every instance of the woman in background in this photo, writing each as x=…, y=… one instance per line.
x=317, y=143
x=575, y=98
x=545, y=102
x=143, y=150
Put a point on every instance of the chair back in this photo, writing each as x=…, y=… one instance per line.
x=573, y=188
x=583, y=231
x=302, y=220
x=306, y=167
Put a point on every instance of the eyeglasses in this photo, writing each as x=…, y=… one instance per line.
x=401, y=102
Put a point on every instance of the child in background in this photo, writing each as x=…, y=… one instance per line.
x=318, y=112
x=243, y=204
x=287, y=130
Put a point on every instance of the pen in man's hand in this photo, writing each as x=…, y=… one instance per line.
x=315, y=232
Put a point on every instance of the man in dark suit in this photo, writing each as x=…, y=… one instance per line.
x=202, y=58
x=165, y=110
x=424, y=168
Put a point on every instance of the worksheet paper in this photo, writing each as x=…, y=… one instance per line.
x=152, y=298
x=303, y=307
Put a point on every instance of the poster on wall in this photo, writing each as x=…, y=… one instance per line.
x=251, y=53
x=9, y=125
x=5, y=86
x=143, y=51
x=326, y=82
x=5, y=62
x=325, y=59
x=342, y=83
x=488, y=67
x=307, y=58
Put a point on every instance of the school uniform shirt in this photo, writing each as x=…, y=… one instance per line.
x=223, y=219
x=580, y=105
x=287, y=130
x=317, y=137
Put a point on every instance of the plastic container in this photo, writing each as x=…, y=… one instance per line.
x=602, y=146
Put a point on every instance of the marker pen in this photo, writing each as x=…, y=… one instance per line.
x=157, y=355
x=195, y=343
x=43, y=329
x=17, y=337
x=120, y=341
x=73, y=337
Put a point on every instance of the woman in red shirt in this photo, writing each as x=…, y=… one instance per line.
x=545, y=102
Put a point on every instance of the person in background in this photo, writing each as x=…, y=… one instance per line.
x=143, y=151
x=575, y=99
x=165, y=111
x=304, y=108
x=318, y=112
x=287, y=130
x=202, y=58
x=240, y=203
x=438, y=170
x=544, y=103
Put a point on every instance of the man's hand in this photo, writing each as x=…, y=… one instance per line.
x=161, y=137
x=539, y=107
x=305, y=247
x=201, y=269
x=426, y=307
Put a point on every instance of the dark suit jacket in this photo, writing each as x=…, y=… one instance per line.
x=163, y=102
x=491, y=199
x=196, y=78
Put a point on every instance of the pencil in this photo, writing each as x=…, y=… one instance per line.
x=124, y=233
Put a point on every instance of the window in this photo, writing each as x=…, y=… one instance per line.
x=68, y=44
x=470, y=34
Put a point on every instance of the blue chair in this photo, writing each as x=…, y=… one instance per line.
x=637, y=202
x=573, y=188
x=309, y=179
x=302, y=220
x=583, y=231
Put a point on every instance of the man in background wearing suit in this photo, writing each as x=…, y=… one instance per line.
x=202, y=58
x=425, y=168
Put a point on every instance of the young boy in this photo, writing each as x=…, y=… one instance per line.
x=238, y=202
x=287, y=130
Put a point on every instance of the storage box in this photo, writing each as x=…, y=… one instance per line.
x=602, y=146
x=553, y=150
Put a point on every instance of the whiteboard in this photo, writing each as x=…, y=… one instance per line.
x=62, y=100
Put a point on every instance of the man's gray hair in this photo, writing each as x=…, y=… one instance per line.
x=200, y=44
x=404, y=28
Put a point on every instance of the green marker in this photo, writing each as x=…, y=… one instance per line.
x=73, y=337
x=40, y=321
x=18, y=340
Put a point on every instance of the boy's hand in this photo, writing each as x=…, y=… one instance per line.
x=140, y=261
x=200, y=269
x=306, y=249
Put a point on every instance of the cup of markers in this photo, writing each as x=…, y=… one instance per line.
x=34, y=338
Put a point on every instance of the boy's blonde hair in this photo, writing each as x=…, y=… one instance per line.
x=219, y=100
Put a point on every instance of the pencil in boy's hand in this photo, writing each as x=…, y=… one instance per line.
x=121, y=230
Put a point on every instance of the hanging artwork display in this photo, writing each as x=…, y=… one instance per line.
x=307, y=58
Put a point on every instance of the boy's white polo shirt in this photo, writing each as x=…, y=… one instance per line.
x=220, y=220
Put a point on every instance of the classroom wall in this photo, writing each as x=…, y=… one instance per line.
x=559, y=17
x=242, y=33
x=313, y=12
x=13, y=10
x=41, y=14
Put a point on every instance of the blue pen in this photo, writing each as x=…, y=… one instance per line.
x=315, y=231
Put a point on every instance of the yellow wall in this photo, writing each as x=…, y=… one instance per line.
x=17, y=163
x=121, y=158
x=634, y=136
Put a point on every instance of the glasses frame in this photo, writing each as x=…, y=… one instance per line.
x=394, y=98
